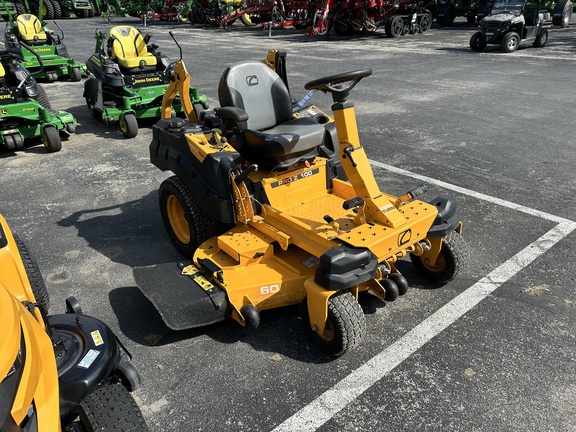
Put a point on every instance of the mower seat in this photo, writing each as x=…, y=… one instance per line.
x=2, y=74
x=270, y=136
x=129, y=48
x=30, y=30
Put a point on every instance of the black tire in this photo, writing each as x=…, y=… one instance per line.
x=186, y=223
x=20, y=9
x=245, y=19
x=110, y=407
x=562, y=18
x=57, y=9
x=51, y=139
x=394, y=27
x=345, y=327
x=65, y=13
x=477, y=42
x=34, y=276
x=452, y=261
x=76, y=75
x=48, y=12
x=510, y=42
x=128, y=125
x=425, y=22
x=82, y=13
x=541, y=39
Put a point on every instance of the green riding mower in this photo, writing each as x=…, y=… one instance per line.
x=129, y=79
x=264, y=220
x=25, y=111
x=55, y=63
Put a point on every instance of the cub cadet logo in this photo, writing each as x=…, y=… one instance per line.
x=146, y=80
x=5, y=96
x=404, y=237
x=252, y=80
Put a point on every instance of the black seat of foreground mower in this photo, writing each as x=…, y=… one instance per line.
x=270, y=136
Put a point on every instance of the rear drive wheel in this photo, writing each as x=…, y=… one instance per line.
x=110, y=407
x=477, y=42
x=510, y=42
x=186, y=223
x=562, y=18
x=452, y=260
x=51, y=139
x=129, y=125
x=34, y=276
x=541, y=39
x=345, y=327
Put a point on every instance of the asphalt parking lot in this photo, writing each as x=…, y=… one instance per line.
x=491, y=351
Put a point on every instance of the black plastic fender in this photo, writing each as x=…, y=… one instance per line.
x=87, y=353
x=447, y=218
x=207, y=180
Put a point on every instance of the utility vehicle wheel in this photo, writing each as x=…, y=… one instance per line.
x=345, y=327
x=51, y=139
x=510, y=42
x=425, y=23
x=129, y=125
x=562, y=19
x=451, y=262
x=34, y=276
x=394, y=27
x=76, y=75
x=110, y=407
x=541, y=39
x=186, y=223
x=478, y=42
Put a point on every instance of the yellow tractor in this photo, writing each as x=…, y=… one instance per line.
x=258, y=206
x=57, y=372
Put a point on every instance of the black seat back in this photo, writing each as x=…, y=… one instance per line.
x=258, y=90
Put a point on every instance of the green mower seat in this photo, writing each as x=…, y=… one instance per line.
x=30, y=30
x=129, y=49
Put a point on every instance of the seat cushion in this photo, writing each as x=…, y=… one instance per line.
x=284, y=145
x=30, y=29
x=129, y=48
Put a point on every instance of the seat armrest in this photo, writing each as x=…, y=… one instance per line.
x=231, y=113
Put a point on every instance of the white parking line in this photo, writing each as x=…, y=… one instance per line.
x=328, y=404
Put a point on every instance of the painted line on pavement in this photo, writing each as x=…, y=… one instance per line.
x=327, y=405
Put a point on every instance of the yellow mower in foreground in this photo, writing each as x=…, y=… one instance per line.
x=268, y=221
x=57, y=372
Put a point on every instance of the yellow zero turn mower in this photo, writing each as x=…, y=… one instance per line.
x=268, y=222
x=57, y=372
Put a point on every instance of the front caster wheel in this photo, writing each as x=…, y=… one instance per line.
x=51, y=139
x=452, y=260
x=345, y=327
x=129, y=125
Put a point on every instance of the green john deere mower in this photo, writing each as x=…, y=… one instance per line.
x=56, y=64
x=25, y=112
x=129, y=79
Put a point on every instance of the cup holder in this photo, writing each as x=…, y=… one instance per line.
x=321, y=118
